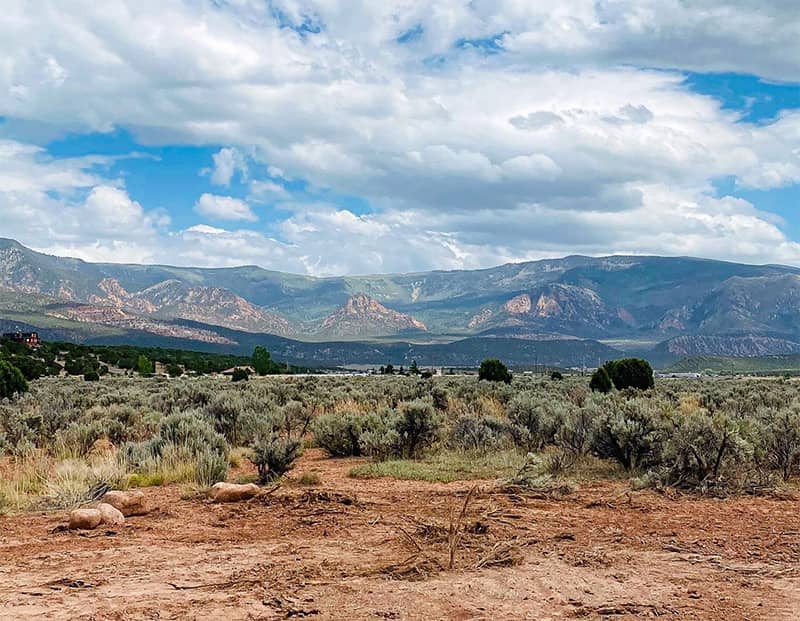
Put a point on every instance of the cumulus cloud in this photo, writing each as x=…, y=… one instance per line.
x=61, y=206
x=227, y=162
x=266, y=190
x=224, y=208
x=497, y=130
x=78, y=213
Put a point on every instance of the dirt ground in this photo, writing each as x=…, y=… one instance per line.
x=379, y=549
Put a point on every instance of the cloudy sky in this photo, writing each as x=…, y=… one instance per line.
x=356, y=136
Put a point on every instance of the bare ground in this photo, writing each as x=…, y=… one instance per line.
x=378, y=549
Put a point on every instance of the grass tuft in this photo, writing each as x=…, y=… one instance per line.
x=445, y=467
x=309, y=479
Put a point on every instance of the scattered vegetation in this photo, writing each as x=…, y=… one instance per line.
x=52, y=359
x=445, y=467
x=65, y=439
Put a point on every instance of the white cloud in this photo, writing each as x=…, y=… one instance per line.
x=78, y=213
x=263, y=191
x=224, y=208
x=59, y=206
x=557, y=144
x=227, y=162
x=204, y=229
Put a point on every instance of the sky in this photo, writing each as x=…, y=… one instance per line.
x=332, y=137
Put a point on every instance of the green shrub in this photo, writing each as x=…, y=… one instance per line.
x=574, y=431
x=185, y=442
x=174, y=370
x=137, y=455
x=630, y=373
x=702, y=448
x=240, y=375
x=532, y=421
x=210, y=467
x=340, y=434
x=77, y=439
x=628, y=432
x=12, y=382
x=600, y=381
x=440, y=398
x=418, y=427
x=274, y=456
x=190, y=430
x=477, y=433
x=779, y=439
x=293, y=419
x=225, y=412
x=493, y=370
x=381, y=438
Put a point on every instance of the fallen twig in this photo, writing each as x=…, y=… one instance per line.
x=213, y=585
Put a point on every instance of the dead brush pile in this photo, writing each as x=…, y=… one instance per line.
x=531, y=482
x=475, y=536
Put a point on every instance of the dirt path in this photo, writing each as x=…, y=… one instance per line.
x=352, y=549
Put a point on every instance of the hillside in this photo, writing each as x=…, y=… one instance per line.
x=693, y=306
x=761, y=365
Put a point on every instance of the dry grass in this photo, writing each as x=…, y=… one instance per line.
x=40, y=481
x=173, y=466
x=446, y=467
x=309, y=479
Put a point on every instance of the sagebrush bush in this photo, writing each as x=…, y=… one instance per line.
x=179, y=430
x=628, y=431
x=186, y=443
x=210, y=467
x=574, y=430
x=274, y=456
x=777, y=438
x=380, y=438
x=418, y=426
x=340, y=434
x=533, y=421
x=701, y=449
x=479, y=433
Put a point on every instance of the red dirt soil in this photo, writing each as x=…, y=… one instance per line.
x=378, y=549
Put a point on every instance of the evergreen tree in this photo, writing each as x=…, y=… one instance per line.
x=630, y=373
x=600, y=381
x=144, y=365
x=262, y=361
x=240, y=375
x=493, y=370
x=12, y=382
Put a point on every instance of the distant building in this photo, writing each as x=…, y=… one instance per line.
x=679, y=375
x=250, y=370
x=31, y=339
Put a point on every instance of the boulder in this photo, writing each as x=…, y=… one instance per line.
x=111, y=516
x=127, y=503
x=85, y=519
x=231, y=492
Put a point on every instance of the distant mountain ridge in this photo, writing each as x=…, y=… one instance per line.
x=364, y=316
x=620, y=298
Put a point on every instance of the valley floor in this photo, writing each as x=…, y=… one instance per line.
x=377, y=549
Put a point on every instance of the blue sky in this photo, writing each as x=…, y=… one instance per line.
x=335, y=138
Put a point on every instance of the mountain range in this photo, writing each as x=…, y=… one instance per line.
x=586, y=307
